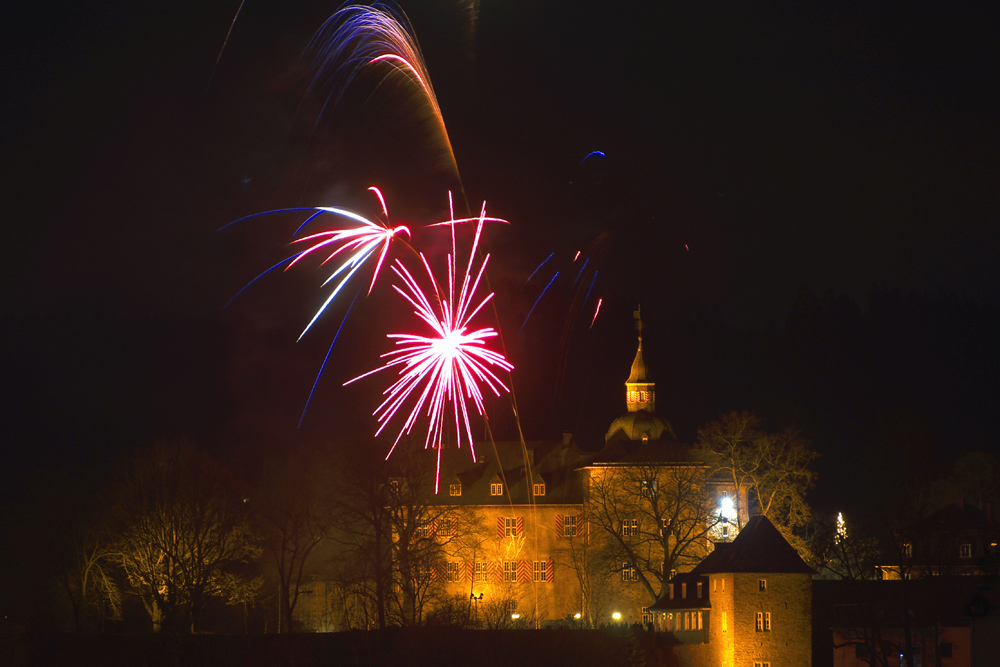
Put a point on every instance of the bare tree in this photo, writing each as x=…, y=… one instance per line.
x=653, y=518
x=181, y=533
x=396, y=536
x=772, y=469
x=87, y=576
x=292, y=518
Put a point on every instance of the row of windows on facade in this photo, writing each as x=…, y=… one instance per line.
x=567, y=525
x=964, y=549
x=692, y=620
x=630, y=528
x=509, y=571
x=496, y=489
x=717, y=584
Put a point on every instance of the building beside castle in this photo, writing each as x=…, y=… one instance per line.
x=749, y=602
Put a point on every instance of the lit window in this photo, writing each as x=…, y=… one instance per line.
x=761, y=664
x=687, y=620
x=510, y=527
x=907, y=549
x=630, y=528
x=715, y=585
x=670, y=591
x=629, y=573
x=684, y=590
x=725, y=625
x=538, y=570
x=423, y=531
x=539, y=489
x=445, y=527
x=645, y=437
x=496, y=489
x=480, y=570
x=455, y=489
x=699, y=589
x=699, y=621
x=965, y=550
x=762, y=585
x=569, y=526
x=648, y=488
x=763, y=621
x=453, y=571
x=647, y=616
x=510, y=570
x=725, y=530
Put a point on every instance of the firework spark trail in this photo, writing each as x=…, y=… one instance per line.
x=552, y=280
x=358, y=37
x=448, y=366
x=596, y=310
x=544, y=262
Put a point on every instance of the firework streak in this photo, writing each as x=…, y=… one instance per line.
x=451, y=363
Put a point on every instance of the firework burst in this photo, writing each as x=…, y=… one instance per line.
x=450, y=364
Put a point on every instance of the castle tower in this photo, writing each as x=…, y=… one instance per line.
x=640, y=391
x=639, y=423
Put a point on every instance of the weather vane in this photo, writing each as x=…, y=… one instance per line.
x=637, y=314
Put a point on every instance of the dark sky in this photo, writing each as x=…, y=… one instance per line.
x=751, y=153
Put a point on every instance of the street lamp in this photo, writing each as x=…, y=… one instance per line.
x=477, y=600
x=616, y=616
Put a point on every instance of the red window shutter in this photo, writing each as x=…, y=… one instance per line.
x=493, y=572
x=559, y=525
x=549, y=569
x=454, y=527
x=468, y=573
x=520, y=526
x=499, y=527
x=524, y=570
x=434, y=528
x=581, y=526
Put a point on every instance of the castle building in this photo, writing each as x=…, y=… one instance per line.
x=545, y=533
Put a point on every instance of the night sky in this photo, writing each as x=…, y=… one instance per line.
x=803, y=199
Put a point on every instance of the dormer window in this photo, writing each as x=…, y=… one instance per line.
x=538, y=489
x=455, y=489
x=762, y=585
x=965, y=550
x=496, y=489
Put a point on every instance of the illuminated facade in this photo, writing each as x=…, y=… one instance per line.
x=749, y=602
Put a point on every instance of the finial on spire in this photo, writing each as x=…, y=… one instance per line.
x=637, y=314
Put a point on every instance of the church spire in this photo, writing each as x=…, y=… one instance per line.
x=639, y=388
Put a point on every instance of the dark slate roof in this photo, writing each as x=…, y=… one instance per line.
x=632, y=426
x=638, y=452
x=552, y=463
x=691, y=600
x=759, y=547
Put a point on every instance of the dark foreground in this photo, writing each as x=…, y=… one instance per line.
x=417, y=647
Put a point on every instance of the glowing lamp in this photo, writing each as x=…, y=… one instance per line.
x=616, y=616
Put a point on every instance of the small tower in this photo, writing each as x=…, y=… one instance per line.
x=640, y=393
x=640, y=423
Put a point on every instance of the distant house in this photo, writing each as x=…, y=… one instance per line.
x=960, y=539
x=749, y=603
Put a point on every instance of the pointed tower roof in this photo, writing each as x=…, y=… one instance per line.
x=639, y=372
x=760, y=547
